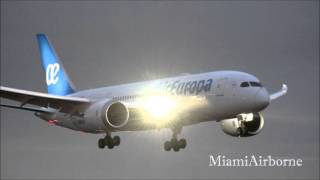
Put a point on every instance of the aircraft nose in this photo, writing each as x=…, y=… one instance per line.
x=262, y=99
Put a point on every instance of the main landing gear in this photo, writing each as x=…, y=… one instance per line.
x=174, y=143
x=109, y=141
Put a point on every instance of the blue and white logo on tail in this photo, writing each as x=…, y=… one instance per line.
x=58, y=82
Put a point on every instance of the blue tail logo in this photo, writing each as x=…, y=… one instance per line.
x=52, y=73
x=58, y=82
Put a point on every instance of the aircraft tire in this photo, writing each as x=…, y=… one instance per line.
x=167, y=146
x=101, y=144
x=176, y=147
x=182, y=143
x=116, y=140
x=175, y=144
x=110, y=145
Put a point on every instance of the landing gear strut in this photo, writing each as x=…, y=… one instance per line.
x=109, y=141
x=174, y=143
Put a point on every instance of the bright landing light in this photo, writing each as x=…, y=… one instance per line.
x=162, y=110
x=159, y=106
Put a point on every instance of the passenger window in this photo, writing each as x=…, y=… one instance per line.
x=244, y=84
x=255, y=84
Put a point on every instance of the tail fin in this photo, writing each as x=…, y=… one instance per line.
x=58, y=82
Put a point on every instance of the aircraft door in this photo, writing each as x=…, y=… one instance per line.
x=233, y=87
x=220, y=87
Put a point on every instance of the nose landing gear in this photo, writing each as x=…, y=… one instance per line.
x=109, y=141
x=174, y=143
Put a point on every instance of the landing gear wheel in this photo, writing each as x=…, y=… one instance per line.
x=101, y=144
x=116, y=140
x=174, y=143
x=167, y=146
x=109, y=141
x=110, y=146
x=176, y=147
x=182, y=143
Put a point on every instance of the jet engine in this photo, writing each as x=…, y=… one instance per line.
x=244, y=125
x=107, y=113
x=115, y=114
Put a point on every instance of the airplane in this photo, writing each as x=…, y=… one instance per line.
x=233, y=99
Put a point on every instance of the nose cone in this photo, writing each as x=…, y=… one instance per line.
x=262, y=99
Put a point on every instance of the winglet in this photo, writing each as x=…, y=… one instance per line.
x=280, y=93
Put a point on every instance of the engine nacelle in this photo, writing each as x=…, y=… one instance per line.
x=115, y=114
x=244, y=125
x=106, y=114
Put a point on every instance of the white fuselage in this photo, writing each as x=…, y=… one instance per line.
x=221, y=93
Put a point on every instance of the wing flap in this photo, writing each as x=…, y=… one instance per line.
x=27, y=108
x=63, y=103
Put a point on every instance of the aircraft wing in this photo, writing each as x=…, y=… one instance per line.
x=63, y=103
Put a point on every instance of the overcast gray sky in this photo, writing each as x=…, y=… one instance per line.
x=106, y=43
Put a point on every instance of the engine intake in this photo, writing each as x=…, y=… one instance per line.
x=116, y=115
x=244, y=125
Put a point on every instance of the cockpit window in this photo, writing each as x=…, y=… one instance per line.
x=255, y=84
x=244, y=84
